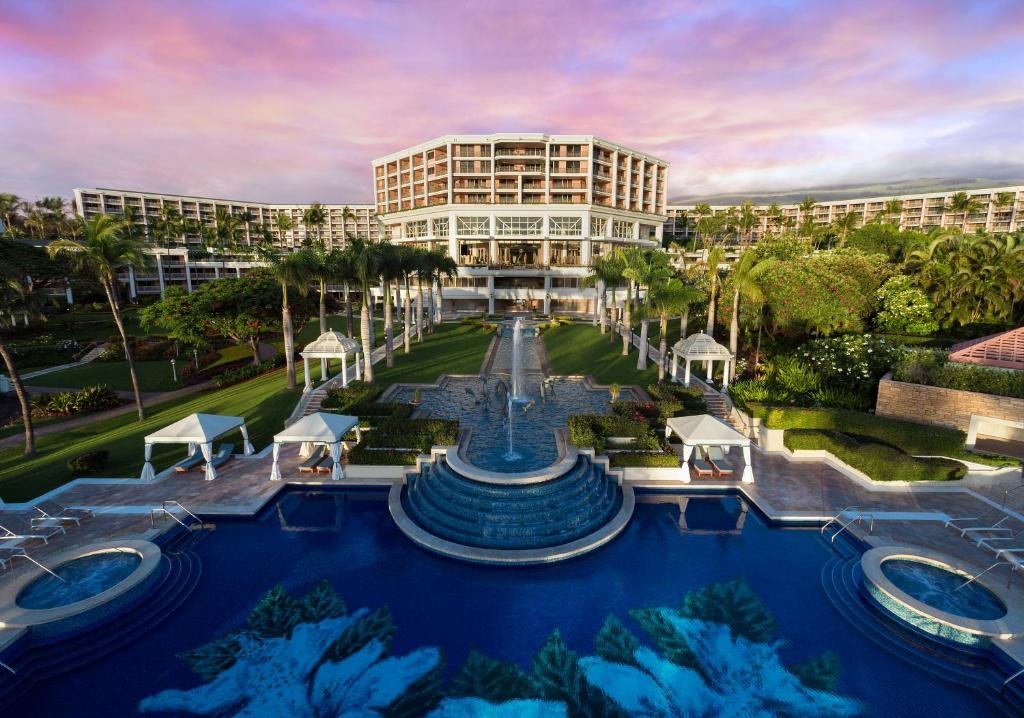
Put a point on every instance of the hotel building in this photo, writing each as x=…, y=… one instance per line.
x=523, y=215
x=1000, y=209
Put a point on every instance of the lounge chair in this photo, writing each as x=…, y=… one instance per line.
x=996, y=528
x=701, y=465
x=721, y=465
x=313, y=462
x=52, y=510
x=190, y=462
x=223, y=455
x=41, y=532
x=327, y=465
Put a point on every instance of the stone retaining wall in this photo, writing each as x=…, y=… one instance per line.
x=943, y=407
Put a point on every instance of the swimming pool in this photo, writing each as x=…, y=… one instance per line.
x=349, y=541
x=79, y=579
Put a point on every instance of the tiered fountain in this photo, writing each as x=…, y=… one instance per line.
x=502, y=499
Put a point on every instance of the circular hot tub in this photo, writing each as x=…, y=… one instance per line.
x=80, y=586
x=79, y=579
x=930, y=592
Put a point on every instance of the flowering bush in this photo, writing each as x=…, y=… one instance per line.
x=852, y=360
x=904, y=308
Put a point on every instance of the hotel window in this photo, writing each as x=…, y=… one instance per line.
x=416, y=229
x=622, y=230
x=566, y=227
x=466, y=167
x=472, y=226
x=441, y=227
x=565, y=282
x=519, y=226
x=598, y=226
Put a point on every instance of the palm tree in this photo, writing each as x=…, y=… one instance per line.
x=666, y=299
x=632, y=266
x=746, y=222
x=283, y=224
x=9, y=206
x=390, y=269
x=716, y=255
x=776, y=217
x=807, y=206
x=295, y=271
x=892, y=209
x=702, y=210
x=744, y=283
x=168, y=227
x=963, y=203
x=104, y=247
x=366, y=260
x=321, y=269
x=846, y=223
x=313, y=219
x=410, y=261
x=650, y=268
x=603, y=273
x=1006, y=199
x=14, y=293
x=439, y=267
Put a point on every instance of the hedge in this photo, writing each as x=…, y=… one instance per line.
x=362, y=456
x=965, y=377
x=910, y=437
x=593, y=430
x=640, y=458
x=879, y=461
x=419, y=434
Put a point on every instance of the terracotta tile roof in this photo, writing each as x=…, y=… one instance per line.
x=1004, y=350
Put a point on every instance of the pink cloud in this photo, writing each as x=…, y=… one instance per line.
x=254, y=101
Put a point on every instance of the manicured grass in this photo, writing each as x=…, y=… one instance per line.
x=264, y=402
x=912, y=438
x=879, y=461
x=153, y=375
x=582, y=349
x=451, y=349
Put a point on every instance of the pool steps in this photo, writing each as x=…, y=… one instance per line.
x=472, y=513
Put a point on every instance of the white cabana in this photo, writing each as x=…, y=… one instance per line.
x=706, y=430
x=319, y=428
x=331, y=345
x=199, y=432
x=701, y=347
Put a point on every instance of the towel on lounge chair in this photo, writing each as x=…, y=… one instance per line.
x=721, y=465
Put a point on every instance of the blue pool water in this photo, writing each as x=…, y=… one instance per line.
x=82, y=578
x=671, y=547
x=941, y=589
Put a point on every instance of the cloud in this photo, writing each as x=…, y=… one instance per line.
x=290, y=103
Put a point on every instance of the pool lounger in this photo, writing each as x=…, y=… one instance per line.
x=721, y=465
x=53, y=510
x=311, y=464
x=702, y=467
x=189, y=463
x=39, y=532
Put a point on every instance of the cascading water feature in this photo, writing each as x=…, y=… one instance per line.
x=518, y=387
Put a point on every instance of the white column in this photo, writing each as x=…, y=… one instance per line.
x=188, y=271
x=323, y=369
x=675, y=367
x=359, y=371
x=344, y=369
x=726, y=366
x=160, y=273
x=305, y=366
x=686, y=378
x=748, y=470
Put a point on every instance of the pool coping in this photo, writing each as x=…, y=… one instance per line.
x=13, y=616
x=1009, y=626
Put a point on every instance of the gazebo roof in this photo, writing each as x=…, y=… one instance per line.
x=705, y=429
x=1004, y=350
x=330, y=344
x=321, y=426
x=700, y=346
x=197, y=428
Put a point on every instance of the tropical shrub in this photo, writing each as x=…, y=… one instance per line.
x=242, y=373
x=852, y=360
x=89, y=462
x=70, y=403
x=593, y=430
x=663, y=459
x=932, y=369
x=879, y=461
x=904, y=308
x=419, y=434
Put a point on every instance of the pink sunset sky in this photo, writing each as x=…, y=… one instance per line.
x=250, y=100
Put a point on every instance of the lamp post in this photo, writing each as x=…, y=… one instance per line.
x=174, y=371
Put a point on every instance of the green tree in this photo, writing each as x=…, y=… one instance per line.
x=744, y=285
x=844, y=224
x=962, y=203
x=604, y=273
x=807, y=207
x=293, y=271
x=283, y=224
x=17, y=297
x=10, y=205
x=391, y=270
x=314, y=219
x=712, y=263
x=104, y=248
x=366, y=260
x=667, y=299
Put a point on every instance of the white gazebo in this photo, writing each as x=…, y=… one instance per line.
x=701, y=347
x=314, y=429
x=199, y=432
x=706, y=430
x=330, y=345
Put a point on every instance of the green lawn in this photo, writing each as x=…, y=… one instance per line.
x=582, y=349
x=264, y=402
x=451, y=349
x=153, y=375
